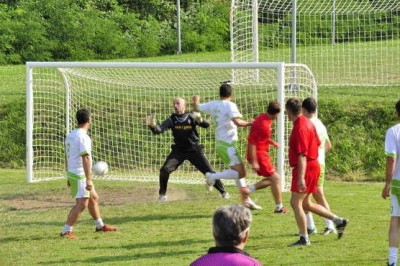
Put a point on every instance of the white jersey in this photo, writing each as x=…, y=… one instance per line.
x=392, y=147
x=222, y=112
x=323, y=137
x=77, y=143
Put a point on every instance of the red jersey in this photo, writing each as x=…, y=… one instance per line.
x=261, y=132
x=303, y=140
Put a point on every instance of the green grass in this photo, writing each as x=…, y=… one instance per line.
x=179, y=231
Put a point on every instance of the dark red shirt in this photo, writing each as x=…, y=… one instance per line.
x=303, y=140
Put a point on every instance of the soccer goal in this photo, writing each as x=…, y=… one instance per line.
x=121, y=95
x=344, y=42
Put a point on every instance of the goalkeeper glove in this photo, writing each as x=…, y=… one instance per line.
x=151, y=121
x=198, y=117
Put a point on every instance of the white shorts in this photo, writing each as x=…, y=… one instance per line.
x=228, y=153
x=394, y=204
x=78, y=186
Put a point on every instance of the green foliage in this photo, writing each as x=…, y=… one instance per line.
x=357, y=130
x=206, y=28
x=77, y=30
x=12, y=133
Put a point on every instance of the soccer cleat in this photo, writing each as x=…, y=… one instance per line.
x=340, y=228
x=248, y=203
x=328, y=231
x=68, y=234
x=282, y=210
x=106, y=228
x=393, y=264
x=209, y=182
x=301, y=242
x=162, y=198
x=225, y=195
x=312, y=231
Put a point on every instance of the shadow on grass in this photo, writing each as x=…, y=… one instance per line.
x=162, y=244
x=155, y=217
x=137, y=254
x=120, y=258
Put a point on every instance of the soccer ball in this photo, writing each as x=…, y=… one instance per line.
x=100, y=168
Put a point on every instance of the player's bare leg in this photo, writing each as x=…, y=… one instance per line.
x=94, y=211
x=394, y=240
x=340, y=223
x=296, y=201
x=77, y=210
x=319, y=197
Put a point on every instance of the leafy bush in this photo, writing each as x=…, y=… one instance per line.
x=357, y=132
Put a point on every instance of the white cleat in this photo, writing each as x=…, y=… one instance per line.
x=225, y=195
x=248, y=203
x=162, y=198
x=209, y=181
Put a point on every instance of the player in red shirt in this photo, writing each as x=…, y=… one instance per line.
x=258, y=143
x=303, y=155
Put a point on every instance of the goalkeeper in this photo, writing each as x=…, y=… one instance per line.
x=186, y=145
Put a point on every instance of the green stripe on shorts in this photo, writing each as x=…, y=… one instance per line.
x=222, y=148
x=73, y=181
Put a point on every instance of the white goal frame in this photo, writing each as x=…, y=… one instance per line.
x=284, y=88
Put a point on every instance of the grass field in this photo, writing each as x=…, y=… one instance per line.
x=177, y=232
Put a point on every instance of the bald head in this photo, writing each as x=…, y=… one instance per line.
x=179, y=105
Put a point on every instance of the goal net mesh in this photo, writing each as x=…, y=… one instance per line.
x=120, y=98
x=344, y=42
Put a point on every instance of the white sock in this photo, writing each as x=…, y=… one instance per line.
x=252, y=188
x=240, y=182
x=337, y=220
x=393, y=255
x=99, y=223
x=310, y=221
x=67, y=228
x=279, y=206
x=227, y=174
x=329, y=223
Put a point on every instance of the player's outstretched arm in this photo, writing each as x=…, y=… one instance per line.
x=196, y=103
x=241, y=123
x=157, y=129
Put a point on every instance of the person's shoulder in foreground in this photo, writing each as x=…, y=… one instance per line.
x=225, y=257
x=231, y=225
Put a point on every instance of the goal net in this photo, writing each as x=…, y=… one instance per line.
x=344, y=42
x=121, y=95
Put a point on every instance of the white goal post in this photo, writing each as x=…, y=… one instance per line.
x=121, y=95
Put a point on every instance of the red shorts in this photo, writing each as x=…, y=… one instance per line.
x=311, y=177
x=264, y=161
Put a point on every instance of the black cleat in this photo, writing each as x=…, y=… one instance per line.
x=301, y=242
x=340, y=228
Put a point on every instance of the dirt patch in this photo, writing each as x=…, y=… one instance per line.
x=107, y=197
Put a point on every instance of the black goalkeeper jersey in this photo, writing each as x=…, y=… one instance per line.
x=183, y=130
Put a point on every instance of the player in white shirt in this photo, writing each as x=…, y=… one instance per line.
x=79, y=173
x=309, y=109
x=392, y=151
x=227, y=118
